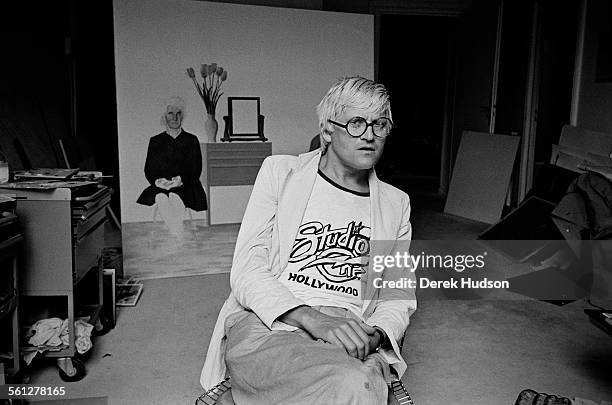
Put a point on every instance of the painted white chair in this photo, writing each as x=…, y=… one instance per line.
x=189, y=213
x=156, y=212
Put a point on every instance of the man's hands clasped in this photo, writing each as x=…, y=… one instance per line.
x=357, y=338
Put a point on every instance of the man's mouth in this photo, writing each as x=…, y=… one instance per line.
x=369, y=148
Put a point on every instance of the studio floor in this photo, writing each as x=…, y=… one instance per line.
x=150, y=251
x=479, y=352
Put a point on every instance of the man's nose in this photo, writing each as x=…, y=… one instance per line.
x=368, y=135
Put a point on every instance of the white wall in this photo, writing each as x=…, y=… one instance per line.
x=287, y=57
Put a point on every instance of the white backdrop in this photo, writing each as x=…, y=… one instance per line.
x=288, y=57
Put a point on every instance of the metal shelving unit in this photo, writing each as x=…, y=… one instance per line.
x=63, y=231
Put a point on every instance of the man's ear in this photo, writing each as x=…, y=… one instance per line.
x=326, y=134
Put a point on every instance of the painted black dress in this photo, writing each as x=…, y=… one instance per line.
x=168, y=157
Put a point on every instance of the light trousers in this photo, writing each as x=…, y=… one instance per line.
x=280, y=367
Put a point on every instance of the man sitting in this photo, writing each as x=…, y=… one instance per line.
x=303, y=322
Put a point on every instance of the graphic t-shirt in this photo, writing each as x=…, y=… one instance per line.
x=326, y=261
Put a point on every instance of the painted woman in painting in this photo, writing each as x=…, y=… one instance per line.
x=172, y=168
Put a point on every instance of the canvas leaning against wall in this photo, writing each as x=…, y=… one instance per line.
x=286, y=57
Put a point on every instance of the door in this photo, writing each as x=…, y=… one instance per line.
x=414, y=64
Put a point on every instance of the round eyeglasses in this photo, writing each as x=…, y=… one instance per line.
x=357, y=126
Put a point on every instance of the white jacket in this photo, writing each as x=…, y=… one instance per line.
x=267, y=233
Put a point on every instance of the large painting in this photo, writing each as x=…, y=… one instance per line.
x=286, y=57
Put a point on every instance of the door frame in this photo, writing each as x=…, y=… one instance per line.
x=417, y=10
x=530, y=112
x=532, y=89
